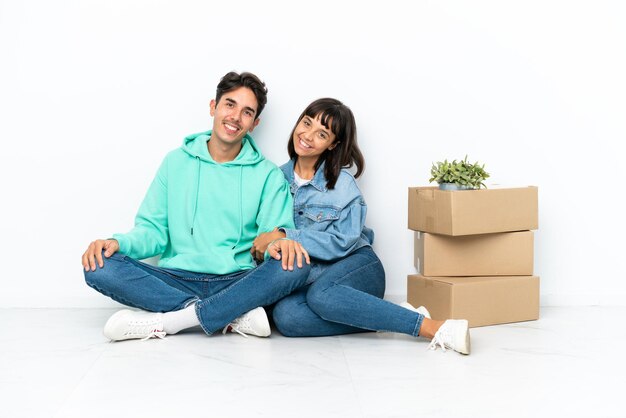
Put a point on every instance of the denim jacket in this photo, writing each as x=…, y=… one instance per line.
x=330, y=224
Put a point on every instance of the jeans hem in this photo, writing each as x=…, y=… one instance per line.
x=206, y=331
x=418, y=325
x=190, y=302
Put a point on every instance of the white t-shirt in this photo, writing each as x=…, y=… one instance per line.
x=299, y=180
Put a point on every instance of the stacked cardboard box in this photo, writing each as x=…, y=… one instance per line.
x=474, y=254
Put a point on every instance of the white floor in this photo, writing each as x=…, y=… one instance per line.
x=56, y=363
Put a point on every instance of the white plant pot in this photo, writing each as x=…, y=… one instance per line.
x=453, y=186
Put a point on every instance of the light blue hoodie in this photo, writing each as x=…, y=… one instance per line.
x=202, y=216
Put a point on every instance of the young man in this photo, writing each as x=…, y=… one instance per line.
x=209, y=200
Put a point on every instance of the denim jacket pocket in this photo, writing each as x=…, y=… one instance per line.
x=319, y=213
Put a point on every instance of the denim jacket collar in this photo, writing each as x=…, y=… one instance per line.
x=318, y=181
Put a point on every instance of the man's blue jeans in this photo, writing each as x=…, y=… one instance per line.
x=346, y=298
x=219, y=298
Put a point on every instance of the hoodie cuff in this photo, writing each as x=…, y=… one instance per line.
x=124, y=243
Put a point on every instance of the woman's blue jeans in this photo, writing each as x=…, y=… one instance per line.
x=346, y=298
x=219, y=298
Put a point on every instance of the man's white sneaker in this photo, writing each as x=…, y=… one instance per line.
x=127, y=324
x=254, y=322
x=453, y=334
x=421, y=310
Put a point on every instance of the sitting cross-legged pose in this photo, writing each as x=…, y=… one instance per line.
x=346, y=285
x=209, y=200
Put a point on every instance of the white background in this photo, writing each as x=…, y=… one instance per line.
x=94, y=93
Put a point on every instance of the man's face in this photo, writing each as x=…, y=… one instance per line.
x=234, y=116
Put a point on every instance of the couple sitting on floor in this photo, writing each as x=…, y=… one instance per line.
x=237, y=234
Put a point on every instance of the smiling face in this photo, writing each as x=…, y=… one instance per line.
x=311, y=138
x=233, y=116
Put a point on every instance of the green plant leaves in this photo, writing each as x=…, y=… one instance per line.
x=462, y=173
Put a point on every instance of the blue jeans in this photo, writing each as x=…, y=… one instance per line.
x=219, y=298
x=346, y=298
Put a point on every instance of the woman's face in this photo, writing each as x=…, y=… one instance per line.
x=311, y=138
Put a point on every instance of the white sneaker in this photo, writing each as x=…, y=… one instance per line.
x=421, y=310
x=453, y=334
x=127, y=324
x=254, y=322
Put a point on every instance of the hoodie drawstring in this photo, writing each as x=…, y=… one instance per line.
x=240, y=206
x=195, y=206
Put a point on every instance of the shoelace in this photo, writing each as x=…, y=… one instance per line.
x=147, y=329
x=437, y=341
x=242, y=322
x=154, y=333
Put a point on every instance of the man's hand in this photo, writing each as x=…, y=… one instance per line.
x=260, y=243
x=94, y=253
x=288, y=251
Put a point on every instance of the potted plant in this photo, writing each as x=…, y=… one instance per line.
x=461, y=175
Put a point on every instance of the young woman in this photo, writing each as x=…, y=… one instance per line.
x=346, y=285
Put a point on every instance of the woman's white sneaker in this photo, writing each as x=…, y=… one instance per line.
x=127, y=325
x=453, y=334
x=421, y=310
x=254, y=322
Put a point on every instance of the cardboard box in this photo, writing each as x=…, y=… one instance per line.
x=468, y=212
x=480, y=300
x=501, y=254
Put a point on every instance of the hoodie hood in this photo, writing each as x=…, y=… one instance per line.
x=196, y=146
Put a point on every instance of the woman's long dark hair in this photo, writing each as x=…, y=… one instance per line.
x=337, y=117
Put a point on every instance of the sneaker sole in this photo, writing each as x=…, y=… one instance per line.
x=467, y=346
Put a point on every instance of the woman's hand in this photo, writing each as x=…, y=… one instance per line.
x=260, y=243
x=288, y=251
